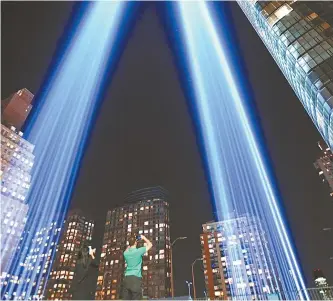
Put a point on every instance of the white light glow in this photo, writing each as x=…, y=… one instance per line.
x=239, y=178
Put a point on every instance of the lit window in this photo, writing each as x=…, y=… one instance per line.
x=311, y=17
x=145, y=268
x=146, y=223
x=279, y=14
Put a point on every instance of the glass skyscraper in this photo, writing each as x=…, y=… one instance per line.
x=17, y=159
x=299, y=36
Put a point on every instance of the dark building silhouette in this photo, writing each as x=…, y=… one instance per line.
x=16, y=108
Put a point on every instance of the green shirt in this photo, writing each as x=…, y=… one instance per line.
x=133, y=258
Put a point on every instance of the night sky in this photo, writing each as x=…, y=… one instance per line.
x=144, y=135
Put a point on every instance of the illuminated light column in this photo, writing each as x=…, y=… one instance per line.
x=299, y=36
x=238, y=173
x=38, y=258
x=62, y=118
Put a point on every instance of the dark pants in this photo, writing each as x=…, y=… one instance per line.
x=132, y=288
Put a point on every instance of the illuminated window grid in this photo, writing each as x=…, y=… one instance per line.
x=215, y=251
x=77, y=230
x=119, y=223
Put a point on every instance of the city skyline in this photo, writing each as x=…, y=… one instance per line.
x=138, y=184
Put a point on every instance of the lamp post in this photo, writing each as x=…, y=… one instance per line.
x=193, y=280
x=189, y=289
x=172, y=285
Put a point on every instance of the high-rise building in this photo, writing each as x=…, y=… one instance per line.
x=299, y=36
x=145, y=211
x=16, y=108
x=237, y=261
x=320, y=281
x=77, y=230
x=36, y=265
x=324, y=164
x=16, y=163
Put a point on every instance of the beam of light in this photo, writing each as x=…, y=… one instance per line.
x=238, y=174
x=60, y=126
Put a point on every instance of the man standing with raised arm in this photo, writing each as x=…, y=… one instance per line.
x=133, y=278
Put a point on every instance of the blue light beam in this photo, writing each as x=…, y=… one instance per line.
x=239, y=177
x=60, y=126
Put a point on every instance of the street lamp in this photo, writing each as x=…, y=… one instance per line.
x=193, y=280
x=178, y=238
x=189, y=289
x=172, y=285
